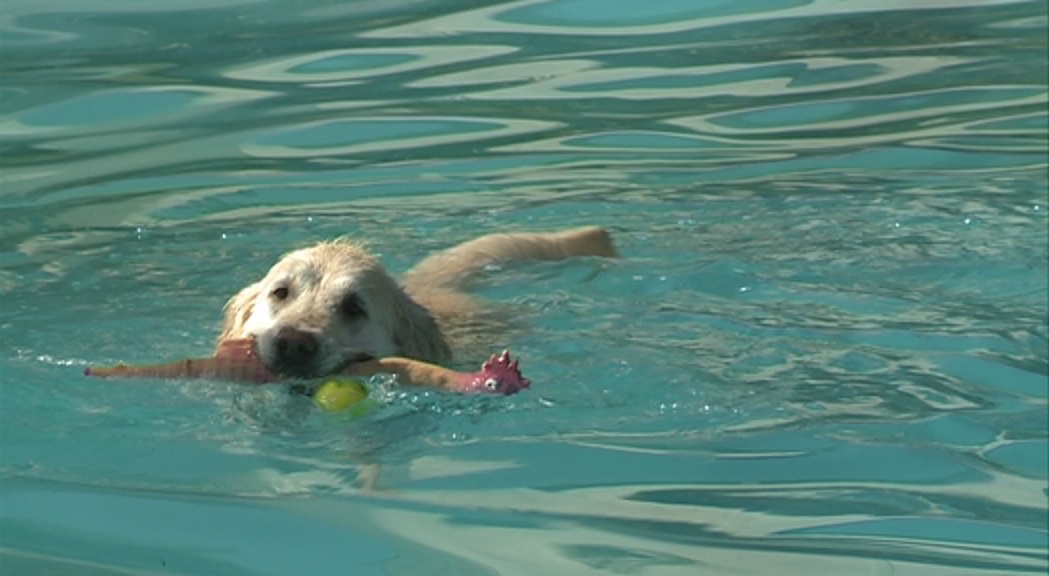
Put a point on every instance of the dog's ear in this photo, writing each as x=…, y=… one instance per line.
x=416, y=333
x=237, y=311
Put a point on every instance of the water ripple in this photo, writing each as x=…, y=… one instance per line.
x=591, y=17
x=343, y=67
x=349, y=136
x=825, y=351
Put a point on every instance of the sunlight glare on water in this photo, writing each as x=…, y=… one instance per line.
x=824, y=350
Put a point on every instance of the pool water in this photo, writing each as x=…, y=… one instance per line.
x=824, y=350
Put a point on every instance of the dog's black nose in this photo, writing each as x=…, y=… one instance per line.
x=294, y=348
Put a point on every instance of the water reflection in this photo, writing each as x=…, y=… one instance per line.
x=593, y=79
x=582, y=17
x=350, y=136
x=740, y=88
x=115, y=110
x=343, y=67
x=826, y=351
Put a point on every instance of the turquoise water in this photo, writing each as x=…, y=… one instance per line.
x=825, y=351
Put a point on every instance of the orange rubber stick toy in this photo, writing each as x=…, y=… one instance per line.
x=236, y=360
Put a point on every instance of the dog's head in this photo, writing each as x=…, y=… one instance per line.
x=322, y=308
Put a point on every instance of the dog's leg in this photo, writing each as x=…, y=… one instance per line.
x=454, y=267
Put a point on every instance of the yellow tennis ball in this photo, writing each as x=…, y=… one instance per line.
x=340, y=393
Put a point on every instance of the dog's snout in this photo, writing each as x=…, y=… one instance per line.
x=295, y=347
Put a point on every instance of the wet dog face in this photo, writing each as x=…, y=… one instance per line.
x=319, y=309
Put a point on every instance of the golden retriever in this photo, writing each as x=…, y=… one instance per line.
x=322, y=308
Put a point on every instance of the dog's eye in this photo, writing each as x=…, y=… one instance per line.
x=352, y=307
x=280, y=293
